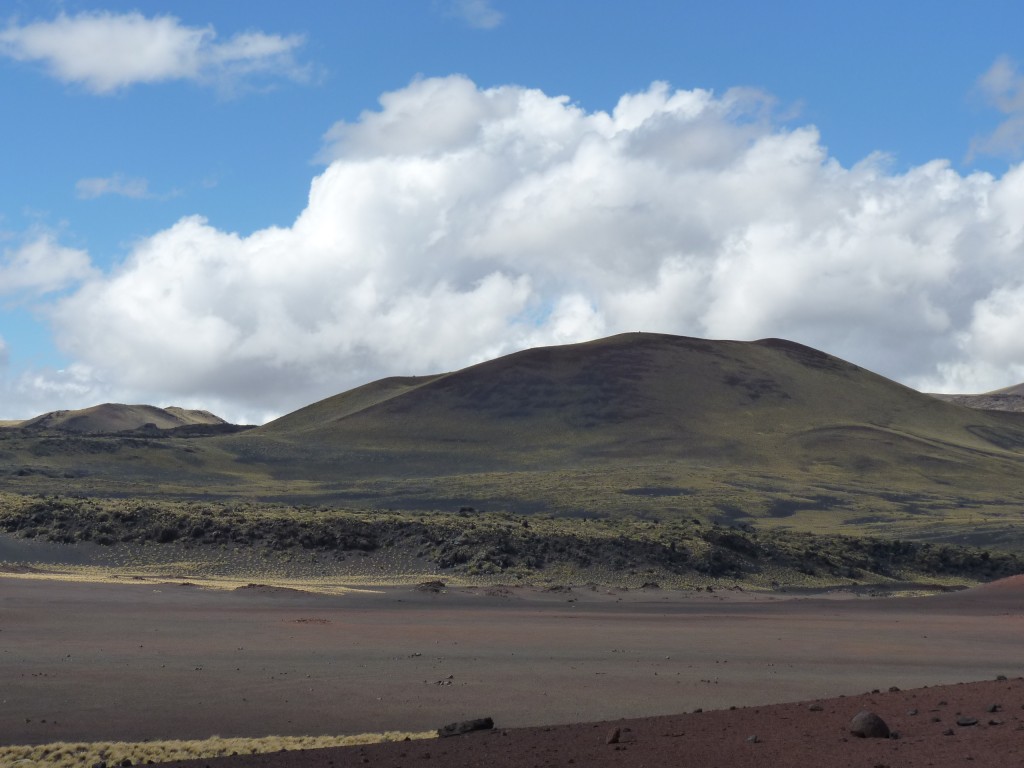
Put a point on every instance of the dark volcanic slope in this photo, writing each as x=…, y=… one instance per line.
x=642, y=397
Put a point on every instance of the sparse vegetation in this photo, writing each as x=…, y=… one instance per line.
x=483, y=546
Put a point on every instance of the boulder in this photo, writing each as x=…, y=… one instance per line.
x=868, y=725
x=466, y=726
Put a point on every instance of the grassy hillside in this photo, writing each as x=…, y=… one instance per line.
x=641, y=397
x=638, y=426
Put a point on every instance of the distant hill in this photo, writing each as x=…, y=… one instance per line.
x=115, y=417
x=1006, y=399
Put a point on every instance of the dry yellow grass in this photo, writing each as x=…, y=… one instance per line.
x=94, y=574
x=73, y=755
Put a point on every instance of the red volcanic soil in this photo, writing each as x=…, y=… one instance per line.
x=779, y=736
x=147, y=660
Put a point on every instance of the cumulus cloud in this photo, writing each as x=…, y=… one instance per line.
x=477, y=13
x=42, y=266
x=1002, y=86
x=456, y=223
x=106, y=52
x=28, y=392
x=118, y=184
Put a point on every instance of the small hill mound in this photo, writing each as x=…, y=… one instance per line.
x=115, y=417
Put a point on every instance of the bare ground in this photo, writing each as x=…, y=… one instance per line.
x=779, y=736
x=155, y=660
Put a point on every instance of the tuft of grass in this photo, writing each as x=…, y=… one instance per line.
x=74, y=754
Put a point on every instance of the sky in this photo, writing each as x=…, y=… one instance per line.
x=247, y=207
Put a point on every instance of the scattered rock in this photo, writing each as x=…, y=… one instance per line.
x=948, y=732
x=966, y=721
x=993, y=708
x=466, y=726
x=911, y=712
x=868, y=725
x=753, y=739
x=815, y=707
x=613, y=736
x=894, y=689
x=431, y=586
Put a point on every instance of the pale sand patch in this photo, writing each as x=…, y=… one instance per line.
x=90, y=574
x=66, y=755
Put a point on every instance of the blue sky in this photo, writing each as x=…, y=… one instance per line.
x=846, y=175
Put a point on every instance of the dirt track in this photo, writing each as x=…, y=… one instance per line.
x=147, y=661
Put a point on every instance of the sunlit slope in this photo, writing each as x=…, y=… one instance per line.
x=640, y=398
x=322, y=414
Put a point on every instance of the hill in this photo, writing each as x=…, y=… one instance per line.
x=115, y=417
x=768, y=431
x=638, y=398
x=645, y=426
x=1005, y=399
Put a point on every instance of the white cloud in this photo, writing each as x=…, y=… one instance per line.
x=477, y=13
x=28, y=392
x=1002, y=86
x=457, y=223
x=42, y=266
x=106, y=52
x=118, y=184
